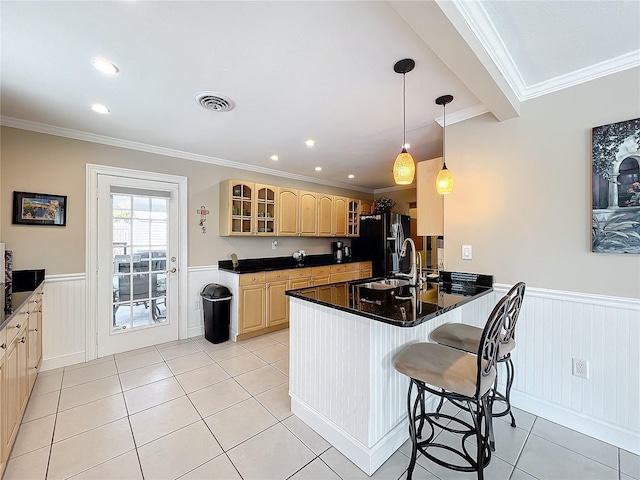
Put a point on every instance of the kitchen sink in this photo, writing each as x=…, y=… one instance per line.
x=384, y=284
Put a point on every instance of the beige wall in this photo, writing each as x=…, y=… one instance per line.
x=49, y=164
x=401, y=197
x=522, y=194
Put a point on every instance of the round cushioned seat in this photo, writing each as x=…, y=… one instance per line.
x=443, y=367
x=466, y=337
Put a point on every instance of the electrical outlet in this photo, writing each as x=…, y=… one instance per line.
x=274, y=245
x=467, y=252
x=580, y=368
x=197, y=305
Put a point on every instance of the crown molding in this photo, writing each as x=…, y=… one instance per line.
x=169, y=152
x=482, y=27
x=394, y=189
x=462, y=115
x=586, y=74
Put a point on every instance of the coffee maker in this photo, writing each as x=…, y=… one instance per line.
x=338, y=251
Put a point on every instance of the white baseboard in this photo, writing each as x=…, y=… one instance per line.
x=195, y=331
x=62, y=361
x=367, y=459
x=580, y=422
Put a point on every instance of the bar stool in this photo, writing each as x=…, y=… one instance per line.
x=466, y=338
x=458, y=376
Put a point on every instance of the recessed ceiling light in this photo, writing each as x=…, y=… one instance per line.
x=351, y=175
x=99, y=108
x=105, y=66
x=275, y=157
x=318, y=169
x=310, y=143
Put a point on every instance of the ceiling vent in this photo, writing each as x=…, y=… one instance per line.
x=214, y=101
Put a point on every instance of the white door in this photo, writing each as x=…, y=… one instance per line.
x=137, y=263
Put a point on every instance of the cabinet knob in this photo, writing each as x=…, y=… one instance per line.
x=23, y=339
x=3, y=346
x=17, y=325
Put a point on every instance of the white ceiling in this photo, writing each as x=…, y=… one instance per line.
x=297, y=70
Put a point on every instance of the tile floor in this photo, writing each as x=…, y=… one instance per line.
x=193, y=410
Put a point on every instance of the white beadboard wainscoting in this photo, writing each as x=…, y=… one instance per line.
x=555, y=327
x=342, y=382
x=65, y=319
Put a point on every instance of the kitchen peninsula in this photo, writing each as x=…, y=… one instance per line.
x=343, y=338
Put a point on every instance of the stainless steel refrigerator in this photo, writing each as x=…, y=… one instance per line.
x=380, y=241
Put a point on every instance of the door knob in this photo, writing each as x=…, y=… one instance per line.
x=173, y=270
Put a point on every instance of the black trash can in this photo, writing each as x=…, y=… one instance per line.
x=216, y=307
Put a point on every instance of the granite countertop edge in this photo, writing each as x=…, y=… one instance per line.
x=390, y=321
x=283, y=263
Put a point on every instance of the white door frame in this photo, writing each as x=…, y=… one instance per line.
x=91, y=350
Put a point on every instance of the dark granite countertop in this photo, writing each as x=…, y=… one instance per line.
x=402, y=306
x=17, y=300
x=252, y=265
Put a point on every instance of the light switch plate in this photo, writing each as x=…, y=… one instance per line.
x=467, y=252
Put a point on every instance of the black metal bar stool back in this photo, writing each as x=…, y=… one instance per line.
x=459, y=376
x=466, y=337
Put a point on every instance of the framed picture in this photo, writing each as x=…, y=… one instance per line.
x=39, y=209
x=616, y=188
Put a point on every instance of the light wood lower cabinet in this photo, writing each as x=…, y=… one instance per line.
x=20, y=357
x=263, y=305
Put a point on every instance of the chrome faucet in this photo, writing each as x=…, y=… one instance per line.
x=413, y=274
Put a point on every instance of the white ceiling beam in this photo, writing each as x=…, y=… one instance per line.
x=442, y=27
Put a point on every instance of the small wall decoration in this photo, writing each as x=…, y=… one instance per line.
x=39, y=209
x=616, y=188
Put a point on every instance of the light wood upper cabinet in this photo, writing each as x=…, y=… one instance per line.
x=430, y=203
x=353, y=218
x=266, y=210
x=366, y=207
x=340, y=217
x=236, y=208
x=325, y=215
x=308, y=214
x=287, y=223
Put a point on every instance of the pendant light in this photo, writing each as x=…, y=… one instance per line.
x=404, y=168
x=444, y=182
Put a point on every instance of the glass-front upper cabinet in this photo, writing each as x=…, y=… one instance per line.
x=247, y=209
x=265, y=210
x=353, y=213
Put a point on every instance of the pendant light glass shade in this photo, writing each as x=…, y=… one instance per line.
x=444, y=180
x=404, y=168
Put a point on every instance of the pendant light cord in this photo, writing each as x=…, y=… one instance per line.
x=444, y=137
x=404, y=110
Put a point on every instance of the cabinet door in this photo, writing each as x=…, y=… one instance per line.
x=252, y=312
x=34, y=338
x=287, y=221
x=430, y=203
x=15, y=385
x=353, y=212
x=308, y=214
x=277, y=303
x=265, y=210
x=339, y=216
x=325, y=215
x=366, y=207
x=236, y=208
